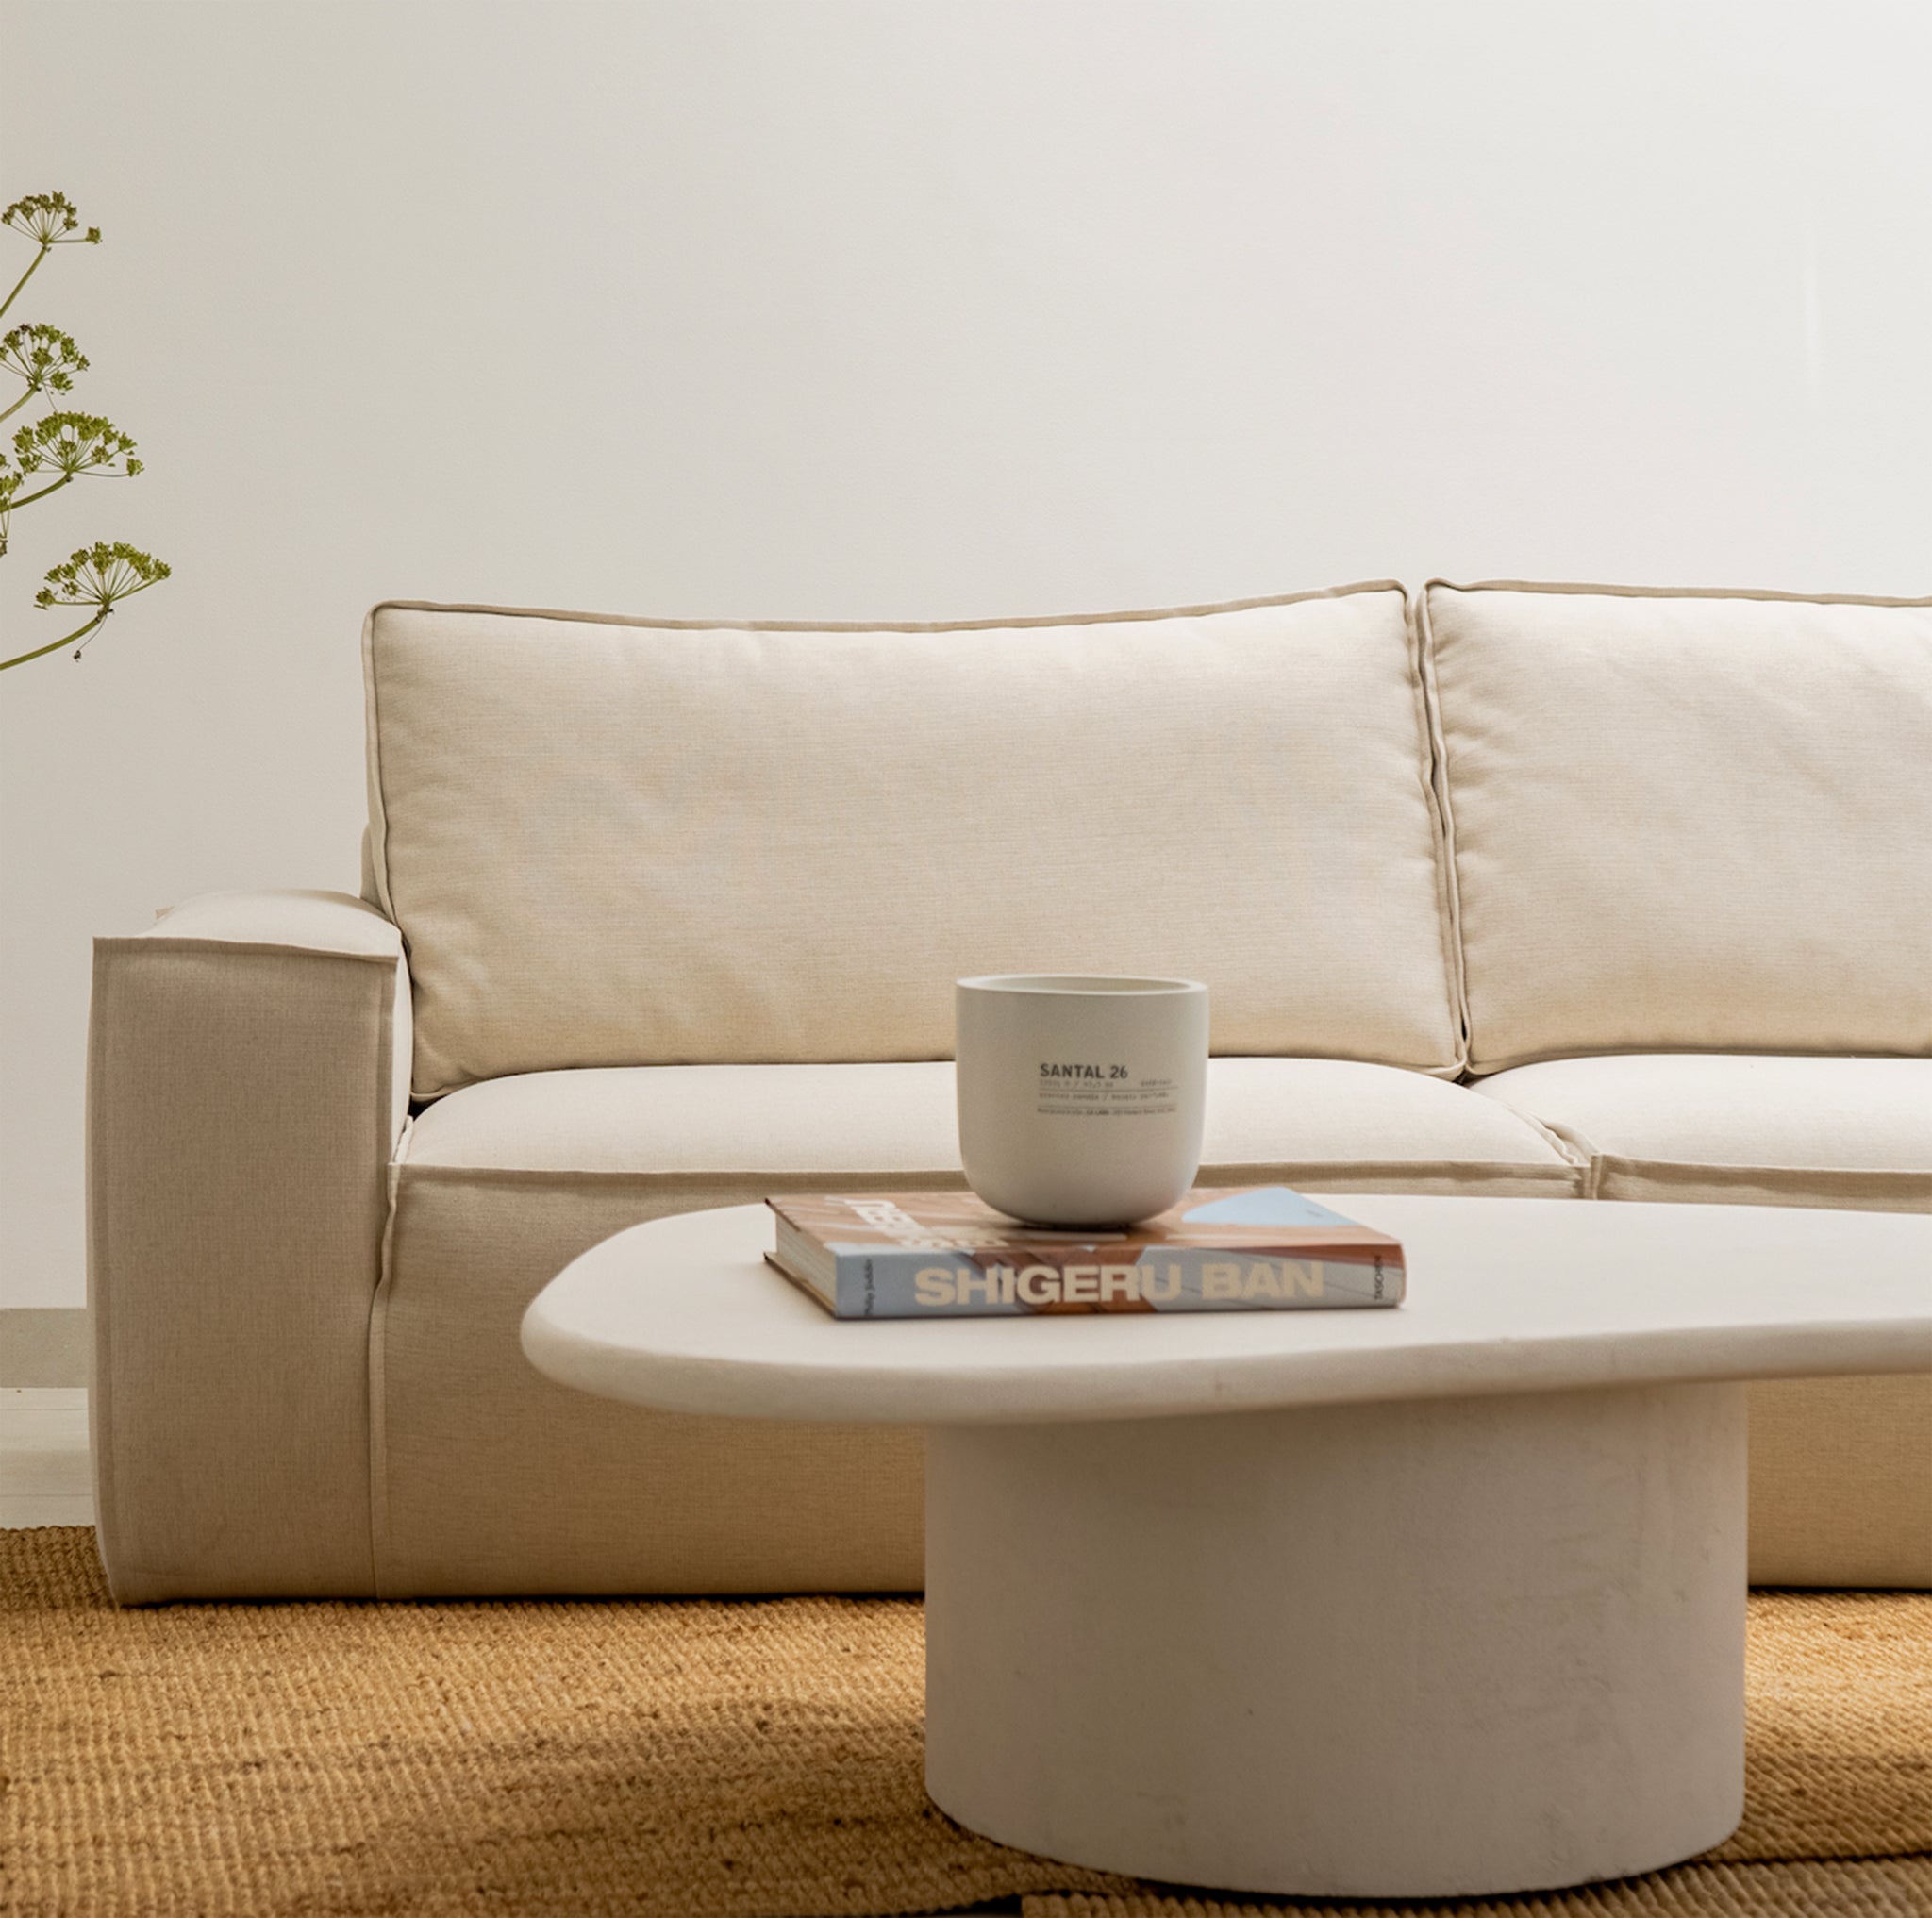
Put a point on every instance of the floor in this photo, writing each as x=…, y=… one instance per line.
x=45, y=1480
x=44, y=1474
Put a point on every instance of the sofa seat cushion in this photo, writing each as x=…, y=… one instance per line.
x=1739, y=1127
x=490, y=1478
x=1841, y=1468
x=728, y=1133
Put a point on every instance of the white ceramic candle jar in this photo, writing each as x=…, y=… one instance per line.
x=1081, y=1096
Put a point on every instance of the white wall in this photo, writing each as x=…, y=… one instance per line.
x=862, y=311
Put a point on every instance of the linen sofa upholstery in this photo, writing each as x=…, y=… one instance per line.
x=484, y=1468
x=247, y=1078
x=1842, y=1468
x=1841, y=1481
x=1318, y=1119
x=666, y=909
x=1746, y=1128
x=1686, y=820
x=1700, y=824
x=781, y=843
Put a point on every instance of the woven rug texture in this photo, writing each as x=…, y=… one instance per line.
x=720, y=1759
x=1839, y=1888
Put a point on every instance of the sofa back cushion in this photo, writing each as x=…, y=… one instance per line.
x=1686, y=821
x=618, y=842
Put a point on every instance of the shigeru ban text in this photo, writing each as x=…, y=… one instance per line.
x=1153, y=1283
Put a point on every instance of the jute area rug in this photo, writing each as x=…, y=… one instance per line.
x=727, y=1759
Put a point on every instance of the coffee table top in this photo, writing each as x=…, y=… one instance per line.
x=1505, y=1295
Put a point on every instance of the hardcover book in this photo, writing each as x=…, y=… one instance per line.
x=947, y=1255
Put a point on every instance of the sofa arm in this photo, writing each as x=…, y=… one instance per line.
x=247, y=1079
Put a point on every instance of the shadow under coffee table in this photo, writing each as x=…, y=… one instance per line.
x=1446, y=1599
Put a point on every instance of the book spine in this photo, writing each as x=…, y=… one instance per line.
x=890, y=1283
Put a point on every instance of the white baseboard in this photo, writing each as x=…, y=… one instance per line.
x=44, y=1345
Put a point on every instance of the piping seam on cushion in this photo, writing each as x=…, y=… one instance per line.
x=1448, y=883
x=378, y=1402
x=371, y=756
x=1831, y=1187
x=100, y=1285
x=1333, y=1173
x=1125, y=615
x=1569, y=1142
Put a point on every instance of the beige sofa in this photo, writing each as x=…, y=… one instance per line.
x=1555, y=892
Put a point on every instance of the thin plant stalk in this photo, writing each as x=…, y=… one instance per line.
x=81, y=633
x=46, y=247
x=64, y=479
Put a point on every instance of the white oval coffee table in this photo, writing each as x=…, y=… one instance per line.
x=1413, y=1603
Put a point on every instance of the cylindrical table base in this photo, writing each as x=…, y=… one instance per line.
x=1393, y=1650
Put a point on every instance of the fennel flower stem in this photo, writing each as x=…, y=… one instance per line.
x=46, y=247
x=55, y=645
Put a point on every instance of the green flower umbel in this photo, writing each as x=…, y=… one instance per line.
x=99, y=576
x=43, y=356
x=73, y=444
x=63, y=447
x=49, y=219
